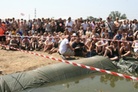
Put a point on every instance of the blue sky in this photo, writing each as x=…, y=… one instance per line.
x=66, y=8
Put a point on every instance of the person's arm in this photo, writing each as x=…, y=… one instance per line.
x=126, y=54
x=133, y=44
x=114, y=58
x=114, y=38
x=135, y=33
x=68, y=45
x=97, y=44
x=120, y=51
x=90, y=47
x=96, y=49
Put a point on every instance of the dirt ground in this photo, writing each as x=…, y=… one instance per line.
x=16, y=61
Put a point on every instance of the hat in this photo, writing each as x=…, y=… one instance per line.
x=74, y=34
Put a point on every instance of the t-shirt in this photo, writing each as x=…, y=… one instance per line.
x=2, y=30
x=109, y=26
x=84, y=25
x=78, y=51
x=63, y=46
x=74, y=45
x=69, y=24
x=118, y=36
x=48, y=27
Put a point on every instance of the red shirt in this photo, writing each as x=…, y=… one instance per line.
x=2, y=29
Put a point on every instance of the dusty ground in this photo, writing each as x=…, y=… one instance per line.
x=16, y=61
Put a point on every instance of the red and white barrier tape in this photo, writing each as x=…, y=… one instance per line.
x=80, y=65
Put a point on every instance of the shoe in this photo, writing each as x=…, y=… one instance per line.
x=63, y=57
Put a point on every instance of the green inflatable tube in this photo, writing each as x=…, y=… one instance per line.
x=51, y=73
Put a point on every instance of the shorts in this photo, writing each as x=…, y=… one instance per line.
x=69, y=52
x=2, y=38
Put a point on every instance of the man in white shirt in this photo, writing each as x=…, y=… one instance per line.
x=85, y=25
x=65, y=49
x=69, y=25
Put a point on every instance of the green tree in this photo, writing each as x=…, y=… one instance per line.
x=92, y=18
x=115, y=14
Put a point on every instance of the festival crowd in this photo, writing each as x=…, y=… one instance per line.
x=84, y=38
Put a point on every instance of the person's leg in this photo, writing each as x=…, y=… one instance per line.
x=105, y=53
x=45, y=47
x=50, y=52
x=68, y=53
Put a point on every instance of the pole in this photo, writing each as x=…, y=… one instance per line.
x=35, y=13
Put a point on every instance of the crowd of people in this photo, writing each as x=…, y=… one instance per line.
x=85, y=38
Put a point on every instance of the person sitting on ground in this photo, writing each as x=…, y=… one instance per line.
x=65, y=49
x=13, y=43
x=112, y=51
x=48, y=44
x=79, y=47
x=125, y=49
x=41, y=43
x=55, y=47
x=100, y=46
x=135, y=47
x=92, y=48
x=25, y=44
x=34, y=43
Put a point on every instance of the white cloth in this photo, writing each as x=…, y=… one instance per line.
x=69, y=24
x=63, y=46
x=85, y=25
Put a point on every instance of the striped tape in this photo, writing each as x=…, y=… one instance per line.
x=80, y=65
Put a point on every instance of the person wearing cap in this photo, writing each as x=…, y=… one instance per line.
x=65, y=49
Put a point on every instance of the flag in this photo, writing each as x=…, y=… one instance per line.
x=22, y=14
